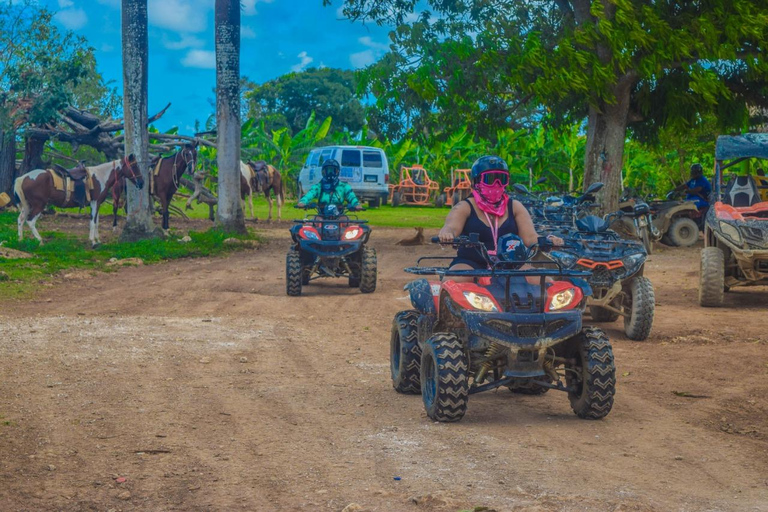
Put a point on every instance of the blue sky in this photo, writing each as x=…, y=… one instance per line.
x=278, y=36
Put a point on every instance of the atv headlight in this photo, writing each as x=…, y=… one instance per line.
x=561, y=300
x=633, y=261
x=731, y=232
x=351, y=233
x=479, y=301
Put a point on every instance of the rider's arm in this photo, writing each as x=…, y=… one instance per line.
x=310, y=196
x=454, y=222
x=525, y=228
x=349, y=196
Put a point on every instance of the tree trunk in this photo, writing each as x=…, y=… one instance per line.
x=138, y=223
x=33, y=155
x=229, y=215
x=7, y=160
x=604, y=156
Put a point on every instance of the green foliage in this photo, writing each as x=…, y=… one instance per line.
x=289, y=100
x=63, y=252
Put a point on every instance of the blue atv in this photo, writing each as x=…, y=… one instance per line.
x=498, y=330
x=330, y=244
x=618, y=285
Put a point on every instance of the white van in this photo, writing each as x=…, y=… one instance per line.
x=365, y=169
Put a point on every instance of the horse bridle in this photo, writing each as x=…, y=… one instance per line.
x=133, y=176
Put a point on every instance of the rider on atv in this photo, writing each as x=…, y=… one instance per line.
x=330, y=190
x=488, y=212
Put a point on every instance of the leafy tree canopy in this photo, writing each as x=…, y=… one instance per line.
x=289, y=100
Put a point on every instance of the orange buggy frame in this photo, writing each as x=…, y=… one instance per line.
x=415, y=187
x=460, y=189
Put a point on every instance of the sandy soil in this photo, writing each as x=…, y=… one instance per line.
x=199, y=385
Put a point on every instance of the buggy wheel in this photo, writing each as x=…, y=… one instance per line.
x=397, y=198
x=642, y=305
x=368, y=270
x=593, y=375
x=444, y=378
x=600, y=314
x=405, y=353
x=683, y=232
x=712, y=277
x=293, y=273
x=456, y=198
x=440, y=201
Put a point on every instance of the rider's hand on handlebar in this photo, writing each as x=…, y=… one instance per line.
x=446, y=235
x=556, y=240
x=300, y=205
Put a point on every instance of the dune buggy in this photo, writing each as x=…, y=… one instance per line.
x=330, y=244
x=736, y=231
x=460, y=189
x=415, y=187
x=462, y=338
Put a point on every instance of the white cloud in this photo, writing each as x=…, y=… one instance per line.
x=177, y=15
x=186, y=41
x=249, y=6
x=202, y=59
x=72, y=19
x=370, y=43
x=247, y=32
x=362, y=59
x=111, y=3
x=304, y=61
x=63, y=4
x=107, y=47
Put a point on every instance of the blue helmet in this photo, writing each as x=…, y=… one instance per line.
x=486, y=164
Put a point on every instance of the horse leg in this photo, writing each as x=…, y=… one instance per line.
x=269, y=201
x=279, y=205
x=22, y=218
x=96, y=227
x=92, y=224
x=31, y=224
x=250, y=198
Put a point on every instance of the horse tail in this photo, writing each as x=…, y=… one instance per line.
x=18, y=193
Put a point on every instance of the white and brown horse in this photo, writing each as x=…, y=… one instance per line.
x=248, y=183
x=269, y=180
x=36, y=189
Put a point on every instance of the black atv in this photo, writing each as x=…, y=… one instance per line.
x=330, y=244
x=466, y=337
x=618, y=285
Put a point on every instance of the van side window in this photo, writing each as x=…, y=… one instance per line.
x=325, y=155
x=314, y=156
x=350, y=158
x=372, y=159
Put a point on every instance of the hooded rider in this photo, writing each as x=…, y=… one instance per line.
x=490, y=213
x=330, y=190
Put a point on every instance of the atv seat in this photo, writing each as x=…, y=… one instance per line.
x=741, y=191
x=78, y=172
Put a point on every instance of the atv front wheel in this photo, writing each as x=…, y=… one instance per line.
x=683, y=232
x=293, y=273
x=600, y=314
x=368, y=270
x=645, y=236
x=593, y=375
x=405, y=353
x=444, y=377
x=642, y=305
x=712, y=277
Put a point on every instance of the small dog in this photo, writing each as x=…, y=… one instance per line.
x=418, y=239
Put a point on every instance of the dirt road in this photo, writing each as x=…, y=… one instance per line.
x=198, y=385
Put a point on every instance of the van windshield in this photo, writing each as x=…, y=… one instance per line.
x=372, y=159
x=350, y=158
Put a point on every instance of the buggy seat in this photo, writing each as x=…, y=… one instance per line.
x=741, y=192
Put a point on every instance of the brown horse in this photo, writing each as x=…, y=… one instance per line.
x=38, y=188
x=269, y=180
x=164, y=179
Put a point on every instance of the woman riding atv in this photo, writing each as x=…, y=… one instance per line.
x=490, y=213
x=330, y=190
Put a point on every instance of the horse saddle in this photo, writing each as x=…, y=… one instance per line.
x=72, y=182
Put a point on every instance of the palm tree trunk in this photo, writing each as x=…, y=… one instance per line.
x=7, y=160
x=139, y=224
x=229, y=213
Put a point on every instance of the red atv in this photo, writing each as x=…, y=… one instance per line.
x=462, y=338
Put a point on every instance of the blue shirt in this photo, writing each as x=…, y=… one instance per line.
x=702, y=198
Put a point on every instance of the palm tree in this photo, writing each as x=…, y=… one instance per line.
x=139, y=222
x=229, y=214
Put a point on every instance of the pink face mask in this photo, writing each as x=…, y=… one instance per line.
x=491, y=198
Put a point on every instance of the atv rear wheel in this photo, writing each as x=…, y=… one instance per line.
x=712, y=277
x=593, y=375
x=405, y=353
x=642, y=304
x=368, y=270
x=293, y=273
x=683, y=232
x=600, y=314
x=444, y=377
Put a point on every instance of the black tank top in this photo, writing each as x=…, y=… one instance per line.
x=475, y=225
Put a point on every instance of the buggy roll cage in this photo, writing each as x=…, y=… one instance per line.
x=736, y=149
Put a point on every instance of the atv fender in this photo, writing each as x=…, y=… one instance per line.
x=422, y=297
